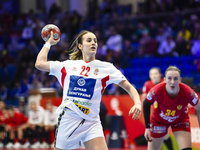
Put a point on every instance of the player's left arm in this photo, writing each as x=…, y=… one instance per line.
x=136, y=109
x=197, y=107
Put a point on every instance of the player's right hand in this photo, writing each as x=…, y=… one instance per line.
x=147, y=135
x=51, y=40
x=136, y=111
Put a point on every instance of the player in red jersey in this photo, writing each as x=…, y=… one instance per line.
x=18, y=125
x=155, y=76
x=7, y=124
x=2, y=106
x=170, y=99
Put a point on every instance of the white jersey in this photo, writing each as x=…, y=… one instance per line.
x=83, y=84
x=36, y=117
x=50, y=118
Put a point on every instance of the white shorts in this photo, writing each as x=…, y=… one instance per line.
x=72, y=130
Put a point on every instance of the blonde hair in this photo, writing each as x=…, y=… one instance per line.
x=172, y=68
x=76, y=52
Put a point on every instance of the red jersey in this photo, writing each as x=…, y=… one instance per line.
x=8, y=121
x=148, y=85
x=170, y=111
x=1, y=113
x=19, y=119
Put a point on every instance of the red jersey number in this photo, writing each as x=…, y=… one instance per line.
x=85, y=71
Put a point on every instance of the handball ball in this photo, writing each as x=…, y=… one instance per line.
x=46, y=32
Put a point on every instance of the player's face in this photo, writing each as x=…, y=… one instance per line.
x=2, y=105
x=5, y=113
x=172, y=80
x=11, y=113
x=49, y=107
x=33, y=107
x=155, y=76
x=89, y=44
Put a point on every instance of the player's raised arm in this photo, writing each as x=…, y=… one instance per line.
x=41, y=61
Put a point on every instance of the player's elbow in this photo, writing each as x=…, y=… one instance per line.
x=40, y=65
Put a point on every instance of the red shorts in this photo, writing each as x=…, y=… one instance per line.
x=160, y=130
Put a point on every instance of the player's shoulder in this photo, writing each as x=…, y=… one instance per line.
x=57, y=62
x=69, y=62
x=185, y=88
x=96, y=63
x=189, y=94
x=103, y=63
x=159, y=86
x=147, y=83
x=18, y=113
x=156, y=91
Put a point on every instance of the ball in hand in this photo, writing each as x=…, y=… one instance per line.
x=46, y=32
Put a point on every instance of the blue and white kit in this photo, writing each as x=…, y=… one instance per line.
x=83, y=85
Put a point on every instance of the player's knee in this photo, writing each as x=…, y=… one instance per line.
x=187, y=149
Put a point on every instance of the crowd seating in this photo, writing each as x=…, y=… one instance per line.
x=138, y=72
x=18, y=52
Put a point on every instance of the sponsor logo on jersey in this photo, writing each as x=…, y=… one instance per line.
x=144, y=89
x=52, y=120
x=195, y=100
x=82, y=103
x=159, y=129
x=168, y=118
x=182, y=125
x=85, y=110
x=81, y=87
x=186, y=110
x=150, y=94
x=155, y=104
x=96, y=71
x=81, y=82
x=87, y=103
x=74, y=69
x=179, y=107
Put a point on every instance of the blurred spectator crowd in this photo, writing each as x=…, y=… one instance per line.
x=159, y=28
